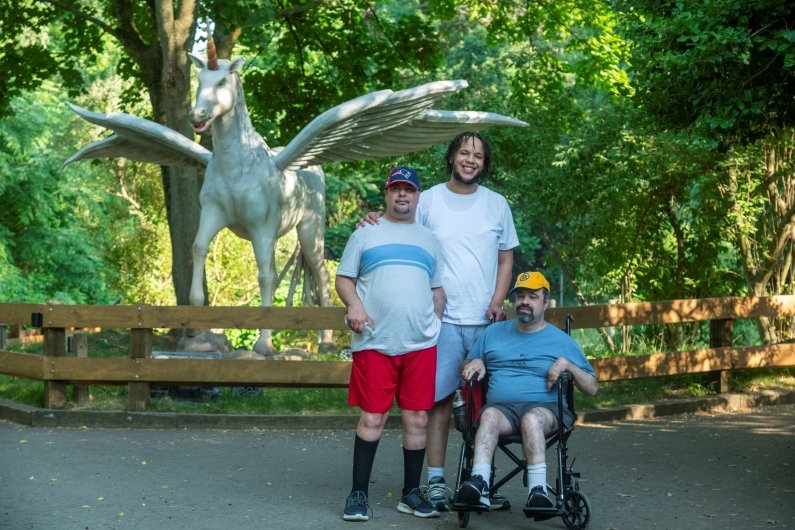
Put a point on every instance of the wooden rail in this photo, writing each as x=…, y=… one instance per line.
x=139, y=370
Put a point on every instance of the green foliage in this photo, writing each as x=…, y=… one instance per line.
x=51, y=221
x=723, y=66
x=242, y=339
x=321, y=56
x=295, y=401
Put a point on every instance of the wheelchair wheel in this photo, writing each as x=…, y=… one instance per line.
x=463, y=519
x=577, y=510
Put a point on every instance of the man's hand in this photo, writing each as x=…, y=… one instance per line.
x=370, y=218
x=557, y=368
x=495, y=313
x=473, y=367
x=357, y=318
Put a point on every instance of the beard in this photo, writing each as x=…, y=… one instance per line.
x=468, y=182
x=525, y=318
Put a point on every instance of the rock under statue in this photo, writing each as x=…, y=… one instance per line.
x=261, y=193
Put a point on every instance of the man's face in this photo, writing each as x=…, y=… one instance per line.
x=529, y=305
x=468, y=161
x=401, y=202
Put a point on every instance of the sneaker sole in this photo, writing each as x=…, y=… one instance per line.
x=405, y=508
x=356, y=517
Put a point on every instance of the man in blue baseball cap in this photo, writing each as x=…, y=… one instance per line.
x=389, y=278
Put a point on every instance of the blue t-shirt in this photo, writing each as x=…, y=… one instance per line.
x=517, y=363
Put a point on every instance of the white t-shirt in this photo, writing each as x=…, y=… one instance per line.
x=471, y=230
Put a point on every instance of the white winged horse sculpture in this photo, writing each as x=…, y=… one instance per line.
x=261, y=193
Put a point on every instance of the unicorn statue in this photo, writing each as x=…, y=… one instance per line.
x=262, y=193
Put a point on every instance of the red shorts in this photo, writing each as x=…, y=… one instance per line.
x=376, y=379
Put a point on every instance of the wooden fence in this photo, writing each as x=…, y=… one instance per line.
x=139, y=369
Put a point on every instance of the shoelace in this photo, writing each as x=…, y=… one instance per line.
x=435, y=490
x=360, y=499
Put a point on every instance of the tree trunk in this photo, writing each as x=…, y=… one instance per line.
x=765, y=241
x=181, y=186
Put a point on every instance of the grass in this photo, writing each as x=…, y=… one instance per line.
x=334, y=400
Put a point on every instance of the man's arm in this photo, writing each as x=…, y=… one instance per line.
x=370, y=218
x=504, y=272
x=439, y=300
x=357, y=315
x=582, y=379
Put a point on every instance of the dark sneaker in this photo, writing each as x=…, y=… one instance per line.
x=538, y=499
x=416, y=504
x=356, y=507
x=436, y=493
x=474, y=491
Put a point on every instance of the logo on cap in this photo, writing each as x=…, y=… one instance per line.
x=403, y=175
x=530, y=280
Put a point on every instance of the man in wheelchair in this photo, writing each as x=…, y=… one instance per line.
x=523, y=359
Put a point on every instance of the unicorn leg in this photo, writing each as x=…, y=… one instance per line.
x=266, y=264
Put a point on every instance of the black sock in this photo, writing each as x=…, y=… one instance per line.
x=412, y=468
x=363, y=458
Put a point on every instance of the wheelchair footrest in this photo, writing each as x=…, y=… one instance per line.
x=463, y=507
x=499, y=503
x=540, y=514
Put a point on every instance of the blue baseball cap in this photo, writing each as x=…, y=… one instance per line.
x=405, y=175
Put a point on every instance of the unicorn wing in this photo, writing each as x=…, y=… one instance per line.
x=139, y=139
x=384, y=123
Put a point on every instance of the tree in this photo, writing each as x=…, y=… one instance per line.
x=315, y=55
x=725, y=70
x=54, y=243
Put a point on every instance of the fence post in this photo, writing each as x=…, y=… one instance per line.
x=2, y=336
x=140, y=348
x=721, y=334
x=80, y=349
x=55, y=346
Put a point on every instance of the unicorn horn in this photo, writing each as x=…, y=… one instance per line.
x=212, y=56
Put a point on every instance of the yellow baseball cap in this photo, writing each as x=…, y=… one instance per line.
x=530, y=280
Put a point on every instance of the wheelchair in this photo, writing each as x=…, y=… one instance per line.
x=570, y=503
